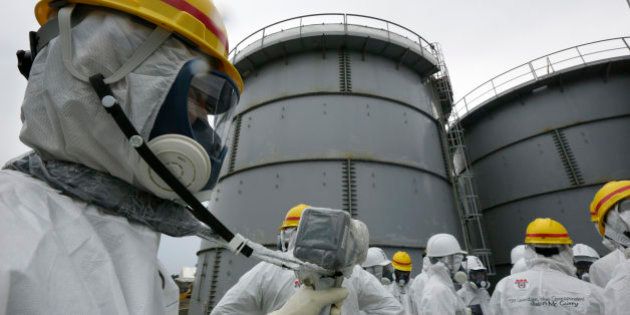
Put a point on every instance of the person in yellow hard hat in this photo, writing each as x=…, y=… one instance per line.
x=266, y=287
x=601, y=270
x=117, y=111
x=402, y=264
x=288, y=228
x=610, y=211
x=549, y=285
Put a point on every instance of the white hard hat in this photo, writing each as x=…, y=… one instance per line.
x=441, y=245
x=375, y=257
x=517, y=253
x=583, y=252
x=474, y=263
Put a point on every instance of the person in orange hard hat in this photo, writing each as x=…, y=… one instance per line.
x=549, y=285
x=610, y=211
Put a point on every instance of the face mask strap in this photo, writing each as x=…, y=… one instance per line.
x=104, y=92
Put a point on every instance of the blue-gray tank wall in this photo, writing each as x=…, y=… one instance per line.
x=338, y=128
x=544, y=149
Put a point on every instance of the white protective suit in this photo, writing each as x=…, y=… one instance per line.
x=417, y=287
x=439, y=296
x=265, y=288
x=170, y=292
x=63, y=256
x=602, y=269
x=617, y=291
x=549, y=286
x=402, y=294
x=471, y=295
x=519, y=266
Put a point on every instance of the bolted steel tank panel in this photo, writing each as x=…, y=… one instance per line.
x=337, y=126
x=543, y=147
x=339, y=116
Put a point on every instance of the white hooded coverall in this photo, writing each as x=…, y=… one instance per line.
x=417, y=286
x=59, y=255
x=402, y=294
x=439, y=296
x=602, y=269
x=265, y=288
x=617, y=291
x=519, y=266
x=471, y=295
x=547, y=287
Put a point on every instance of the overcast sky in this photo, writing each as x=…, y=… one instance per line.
x=480, y=39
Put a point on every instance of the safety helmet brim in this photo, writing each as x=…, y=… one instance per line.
x=187, y=21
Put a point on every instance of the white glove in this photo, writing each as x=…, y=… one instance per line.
x=306, y=301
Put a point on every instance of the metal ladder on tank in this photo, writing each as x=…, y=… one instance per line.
x=467, y=200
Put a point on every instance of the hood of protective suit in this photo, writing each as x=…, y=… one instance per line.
x=426, y=262
x=440, y=271
x=562, y=262
x=519, y=266
x=62, y=116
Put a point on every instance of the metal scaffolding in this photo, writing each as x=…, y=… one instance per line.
x=459, y=169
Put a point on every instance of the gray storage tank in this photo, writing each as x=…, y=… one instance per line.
x=339, y=111
x=544, y=136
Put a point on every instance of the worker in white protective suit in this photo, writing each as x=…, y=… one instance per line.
x=610, y=211
x=111, y=98
x=438, y=295
x=378, y=265
x=549, y=285
x=474, y=292
x=266, y=287
x=583, y=258
x=517, y=258
x=417, y=286
x=402, y=264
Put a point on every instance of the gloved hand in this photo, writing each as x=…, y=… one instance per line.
x=306, y=301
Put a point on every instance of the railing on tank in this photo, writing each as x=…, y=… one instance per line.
x=331, y=19
x=577, y=56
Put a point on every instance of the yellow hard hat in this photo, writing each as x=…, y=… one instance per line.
x=604, y=200
x=547, y=231
x=292, y=219
x=196, y=20
x=401, y=261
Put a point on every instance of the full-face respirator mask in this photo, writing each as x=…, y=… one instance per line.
x=618, y=225
x=383, y=273
x=286, y=239
x=402, y=277
x=479, y=279
x=454, y=264
x=182, y=136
